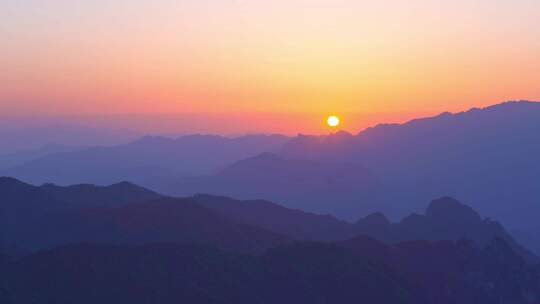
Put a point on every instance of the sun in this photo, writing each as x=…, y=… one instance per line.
x=332, y=121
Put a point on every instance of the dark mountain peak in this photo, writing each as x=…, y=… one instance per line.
x=449, y=209
x=120, y=186
x=14, y=184
x=93, y=196
x=375, y=219
x=128, y=186
x=6, y=180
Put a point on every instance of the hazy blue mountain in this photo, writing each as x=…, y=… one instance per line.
x=149, y=161
x=8, y=160
x=301, y=184
x=488, y=157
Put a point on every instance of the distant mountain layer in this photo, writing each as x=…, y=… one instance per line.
x=32, y=133
x=8, y=160
x=489, y=157
x=314, y=186
x=149, y=161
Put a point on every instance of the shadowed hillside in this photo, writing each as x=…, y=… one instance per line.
x=414, y=272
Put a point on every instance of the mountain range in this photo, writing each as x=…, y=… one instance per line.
x=12, y=159
x=119, y=243
x=43, y=217
x=417, y=272
x=295, y=183
x=488, y=157
x=149, y=161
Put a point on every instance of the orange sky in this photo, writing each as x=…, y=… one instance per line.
x=364, y=60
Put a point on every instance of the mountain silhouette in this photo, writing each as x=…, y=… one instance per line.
x=417, y=272
x=12, y=159
x=171, y=220
x=149, y=161
x=32, y=215
x=292, y=222
x=444, y=219
x=88, y=244
x=43, y=217
x=34, y=218
x=300, y=184
x=456, y=272
x=487, y=157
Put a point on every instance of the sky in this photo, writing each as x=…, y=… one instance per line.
x=270, y=65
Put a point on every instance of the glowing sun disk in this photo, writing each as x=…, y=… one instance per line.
x=332, y=121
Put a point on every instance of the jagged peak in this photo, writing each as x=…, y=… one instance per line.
x=451, y=209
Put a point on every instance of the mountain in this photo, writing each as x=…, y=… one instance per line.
x=166, y=273
x=32, y=215
x=42, y=217
x=12, y=159
x=122, y=243
x=149, y=161
x=34, y=218
x=359, y=269
x=487, y=156
x=294, y=183
x=444, y=219
x=16, y=194
x=267, y=215
x=170, y=220
x=457, y=272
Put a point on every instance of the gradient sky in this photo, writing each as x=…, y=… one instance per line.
x=359, y=59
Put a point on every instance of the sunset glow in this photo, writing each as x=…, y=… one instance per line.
x=388, y=58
